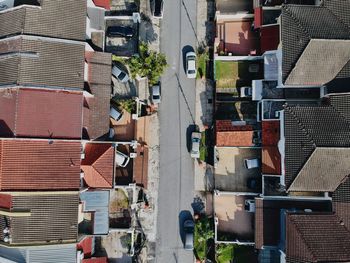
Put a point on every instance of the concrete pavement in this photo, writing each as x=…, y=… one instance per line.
x=177, y=113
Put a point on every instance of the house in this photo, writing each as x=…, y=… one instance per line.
x=98, y=165
x=67, y=253
x=44, y=165
x=98, y=75
x=49, y=18
x=41, y=62
x=33, y=218
x=40, y=113
x=229, y=134
x=311, y=35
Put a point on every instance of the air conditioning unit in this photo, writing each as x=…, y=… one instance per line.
x=6, y=230
x=133, y=155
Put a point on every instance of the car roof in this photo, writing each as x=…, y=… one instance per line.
x=155, y=90
x=191, y=53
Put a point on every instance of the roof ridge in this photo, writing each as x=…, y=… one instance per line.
x=96, y=161
x=337, y=17
x=101, y=176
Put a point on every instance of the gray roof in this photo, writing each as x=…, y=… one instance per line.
x=37, y=61
x=53, y=218
x=54, y=18
x=66, y=253
x=300, y=24
x=97, y=202
x=325, y=169
x=96, y=120
x=321, y=61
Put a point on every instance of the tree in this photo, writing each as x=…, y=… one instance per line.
x=148, y=64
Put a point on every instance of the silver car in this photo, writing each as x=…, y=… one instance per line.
x=156, y=94
x=120, y=74
x=191, y=71
x=195, y=143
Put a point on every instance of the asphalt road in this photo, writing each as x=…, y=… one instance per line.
x=177, y=113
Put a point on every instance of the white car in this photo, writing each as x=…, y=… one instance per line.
x=121, y=159
x=120, y=74
x=156, y=94
x=191, y=71
x=252, y=163
x=195, y=143
x=246, y=92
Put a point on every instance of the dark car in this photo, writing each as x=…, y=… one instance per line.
x=189, y=232
x=120, y=31
x=157, y=8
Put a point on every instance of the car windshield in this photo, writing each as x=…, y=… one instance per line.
x=191, y=71
x=195, y=140
x=121, y=75
x=156, y=97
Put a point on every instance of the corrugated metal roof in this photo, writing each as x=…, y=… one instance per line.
x=27, y=112
x=44, y=254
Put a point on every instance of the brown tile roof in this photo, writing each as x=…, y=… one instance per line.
x=316, y=238
x=98, y=165
x=228, y=134
x=5, y=201
x=268, y=217
x=59, y=19
x=96, y=119
x=141, y=166
x=44, y=165
x=36, y=61
x=271, y=160
x=53, y=218
x=270, y=133
x=325, y=169
x=26, y=112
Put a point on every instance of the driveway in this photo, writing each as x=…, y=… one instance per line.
x=176, y=115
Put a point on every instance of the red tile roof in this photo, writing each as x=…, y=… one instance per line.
x=270, y=133
x=231, y=135
x=271, y=160
x=39, y=165
x=269, y=38
x=5, y=201
x=103, y=3
x=26, y=112
x=226, y=125
x=95, y=260
x=98, y=165
x=86, y=246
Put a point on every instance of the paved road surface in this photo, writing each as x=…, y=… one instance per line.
x=176, y=114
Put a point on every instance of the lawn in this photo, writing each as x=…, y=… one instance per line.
x=225, y=253
x=226, y=73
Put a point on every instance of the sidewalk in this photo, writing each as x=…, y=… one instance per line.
x=204, y=100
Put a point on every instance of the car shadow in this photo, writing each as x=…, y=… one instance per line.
x=183, y=216
x=191, y=128
x=185, y=50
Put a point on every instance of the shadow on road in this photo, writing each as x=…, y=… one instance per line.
x=183, y=216
x=185, y=50
x=191, y=128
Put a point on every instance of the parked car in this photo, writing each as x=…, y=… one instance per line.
x=191, y=65
x=252, y=163
x=189, y=232
x=157, y=8
x=156, y=93
x=120, y=31
x=120, y=74
x=246, y=92
x=195, y=143
x=115, y=115
x=121, y=159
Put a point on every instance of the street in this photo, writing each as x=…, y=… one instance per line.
x=177, y=110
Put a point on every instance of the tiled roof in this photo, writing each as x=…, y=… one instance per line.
x=310, y=68
x=271, y=160
x=44, y=165
x=269, y=38
x=5, y=201
x=86, y=246
x=53, y=218
x=26, y=112
x=308, y=127
x=235, y=138
x=58, y=19
x=227, y=125
x=270, y=133
x=316, y=238
x=96, y=118
x=28, y=60
x=140, y=169
x=268, y=217
x=324, y=170
x=341, y=202
x=98, y=165
x=300, y=24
